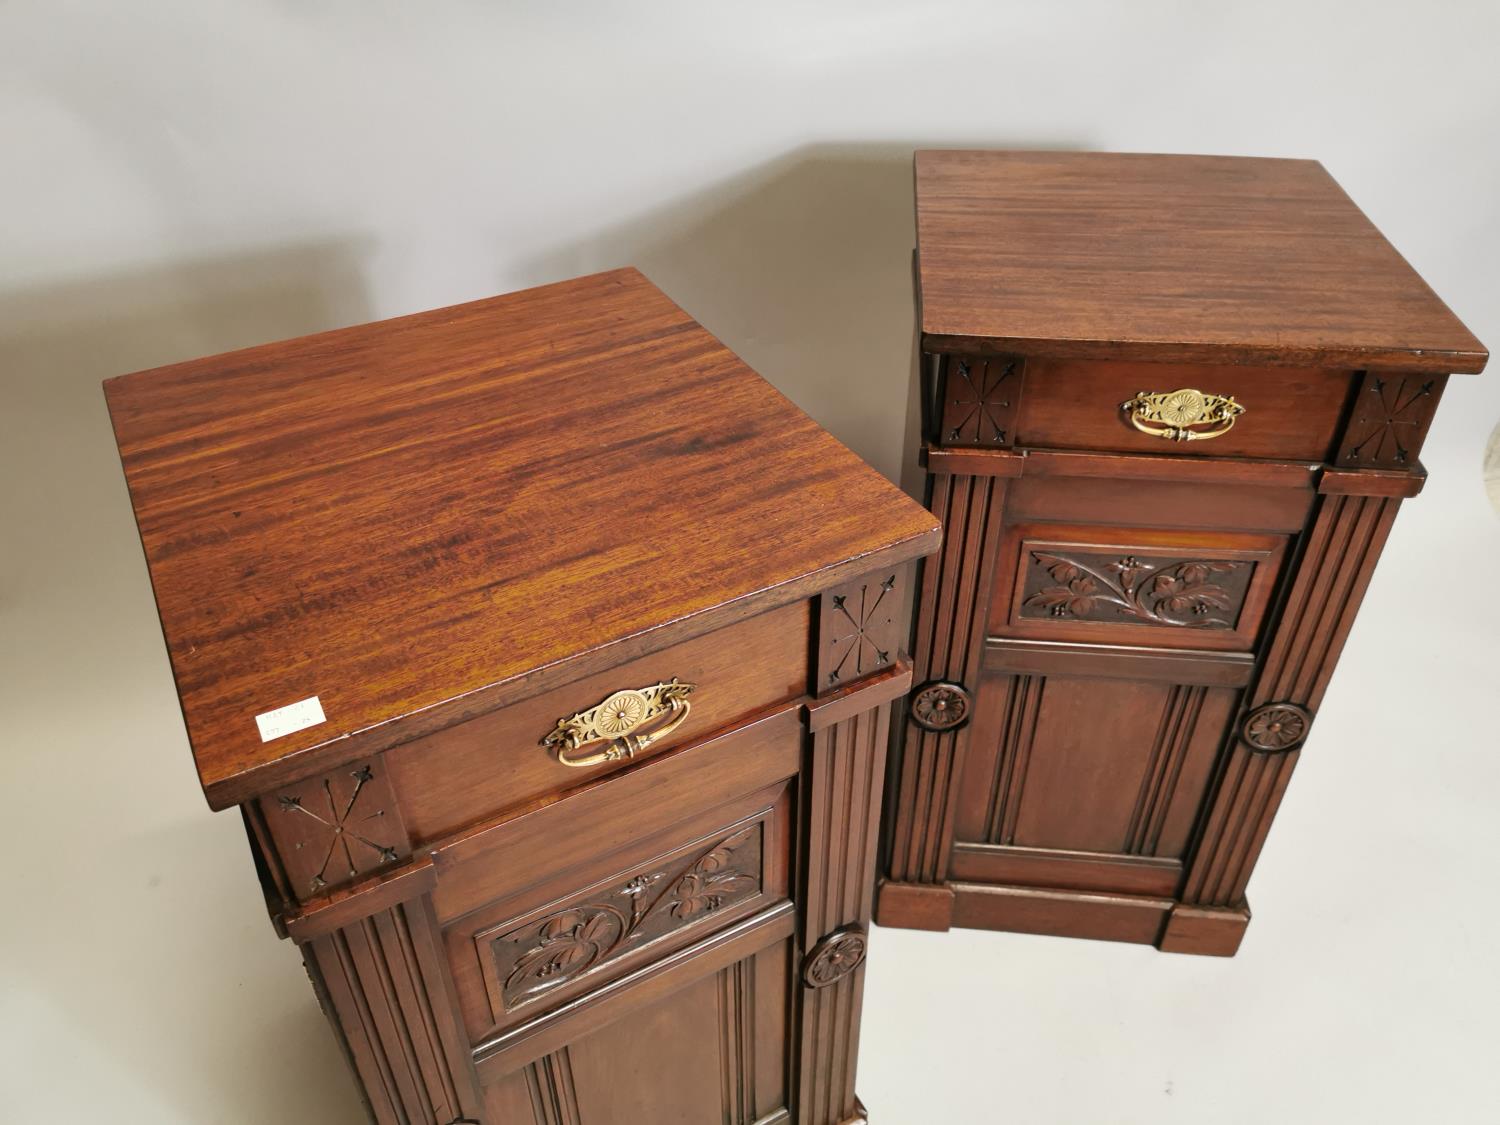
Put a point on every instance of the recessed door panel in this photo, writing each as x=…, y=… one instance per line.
x=1067, y=775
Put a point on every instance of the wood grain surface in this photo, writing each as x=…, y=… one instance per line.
x=421, y=519
x=1189, y=259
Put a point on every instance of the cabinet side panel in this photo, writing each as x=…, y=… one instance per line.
x=394, y=1002
x=843, y=807
x=952, y=609
x=1343, y=546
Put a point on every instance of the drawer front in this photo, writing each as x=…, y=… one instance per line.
x=594, y=887
x=497, y=762
x=1291, y=414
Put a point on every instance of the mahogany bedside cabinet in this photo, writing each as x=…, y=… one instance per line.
x=547, y=652
x=1171, y=406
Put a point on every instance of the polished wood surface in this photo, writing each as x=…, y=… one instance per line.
x=1292, y=413
x=1190, y=259
x=463, y=530
x=449, y=779
x=422, y=519
x=1131, y=636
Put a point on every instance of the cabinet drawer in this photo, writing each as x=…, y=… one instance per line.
x=1290, y=413
x=496, y=762
x=547, y=908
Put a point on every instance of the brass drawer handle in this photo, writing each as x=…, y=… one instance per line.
x=616, y=723
x=1169, y=414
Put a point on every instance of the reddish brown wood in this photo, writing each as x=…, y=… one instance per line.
x=1169, y=665
x=915, y=906
x=1060, y=913
x=1159, y=619
x=860, y=629
x=503, y=1053
x=1176, y=259
x=745, y=759
x=1206, y=930
x=610, y=913
x=1291, y=413
x=952, y=606
x=839, y=849
x=973, y=462
x=1073, y=871
x=1121, y=585
x=1389, y=419
x=392, y=1001
x=422, y=519
x=844, y=703
x=1345, y=482
x=459, y=530
x=450, y=779
x=981, y=400
x=1223, y=506
x=330, y=829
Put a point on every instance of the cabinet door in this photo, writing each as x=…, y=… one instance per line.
x=1088, y=782
x=623, y=954
x=711, y=1051
x=1124, y=620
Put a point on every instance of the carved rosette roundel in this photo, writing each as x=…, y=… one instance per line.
x=939, y=706
x=834, y=958
x=1274, y=727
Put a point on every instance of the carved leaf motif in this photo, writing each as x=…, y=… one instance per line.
x=711, y=881
x=1165, y=593
x=569, y=942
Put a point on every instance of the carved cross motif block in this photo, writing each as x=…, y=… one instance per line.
x=981, y=398
x=330, y=830
x=1389, y=421
x=858, y=628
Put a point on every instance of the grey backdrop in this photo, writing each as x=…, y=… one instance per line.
x=186, y=177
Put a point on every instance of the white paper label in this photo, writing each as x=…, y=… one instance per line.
x=290, y=719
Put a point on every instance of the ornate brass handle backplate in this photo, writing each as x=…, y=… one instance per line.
x=618, y=724
x=1173, y=414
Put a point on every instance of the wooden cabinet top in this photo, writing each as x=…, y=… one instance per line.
x=421, y=519
x=1192, y=259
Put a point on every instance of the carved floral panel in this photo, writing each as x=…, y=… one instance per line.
x=1074, y=584
x=604, y=923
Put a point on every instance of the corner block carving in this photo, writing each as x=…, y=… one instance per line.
x=859, y=632
x=332, y=829
x=1389, y=421
x=603, y=924
x=981, y=398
